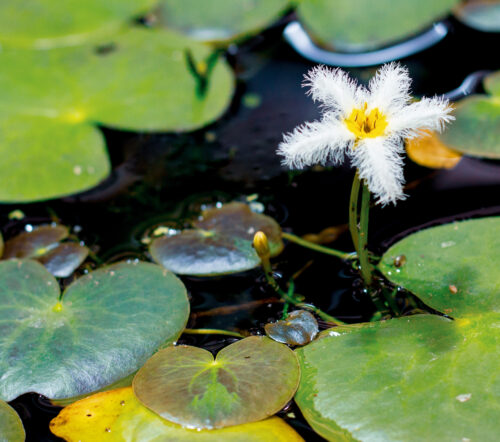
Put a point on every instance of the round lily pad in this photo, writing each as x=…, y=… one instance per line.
x=220, y=20
x=44, y=24
x=104, y=327
x=11, y=427
x=453, y=268
x=299, y=328
x=220, y=242
x=483, y=15
x=492, y=83
x=350, y=26
x=413, y=379
x=429, y=151
x=120, y=416
x=248, y=381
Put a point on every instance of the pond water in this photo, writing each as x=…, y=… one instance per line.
x=165, y=179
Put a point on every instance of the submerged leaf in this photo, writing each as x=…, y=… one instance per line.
x=299, y=328
x=11, y=427
x=107, y=324
x=483, y=15
x=118, y=416
x=428, y=151
x=220, y=243
x=248, y=381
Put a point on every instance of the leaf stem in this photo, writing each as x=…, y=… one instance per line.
x=310, y=245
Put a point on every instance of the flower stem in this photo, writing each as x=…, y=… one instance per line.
x=310, y=245
x=366, y=267
x=353, y=210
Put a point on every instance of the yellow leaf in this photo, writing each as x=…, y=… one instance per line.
x=117, y=415
x=430, y=152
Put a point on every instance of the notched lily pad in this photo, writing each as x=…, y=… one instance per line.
x=248, y=381
x=351, y=26
x=483, y=15
x=43, y=244
x=120, y=416
x=11, y=427
x=105, y=326
x=429, y=151
x=453, y=268
x=220, y=20
x=299, y=328
x=476, y=130
x=219, y=243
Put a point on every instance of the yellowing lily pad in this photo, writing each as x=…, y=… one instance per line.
x=118, y=416
x=11, y=427
x=299, y=328
x=350, y=26
x=248, y=381
x=43, y=244
x=219, y=243
x=476, y=130
x=137, y=80
x=483, y=15
x=429, y=151
x=104, y=327
x=220, y=20
x=44, y=24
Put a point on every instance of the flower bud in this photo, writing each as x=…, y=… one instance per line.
x=261, y=245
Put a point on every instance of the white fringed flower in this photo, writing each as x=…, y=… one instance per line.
x=369, y=125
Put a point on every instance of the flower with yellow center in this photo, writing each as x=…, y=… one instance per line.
x=369, y=125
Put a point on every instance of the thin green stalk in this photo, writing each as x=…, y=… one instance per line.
x=353, y=211
x=364, y=262
x=310, y=245
x=211, y=331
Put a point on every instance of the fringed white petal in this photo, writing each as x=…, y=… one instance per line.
x=426, y=114
x=337, y=92
x=379, y=163
x=390, y=89
x=319, y=142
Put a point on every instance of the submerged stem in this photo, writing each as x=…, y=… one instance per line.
x=211, y=331
x=310, y=245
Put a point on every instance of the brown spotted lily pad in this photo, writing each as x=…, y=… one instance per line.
x=220, y=242
x=299, y=328
x=429, y=151
x=248, y=381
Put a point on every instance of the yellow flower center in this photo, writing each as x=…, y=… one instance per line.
x=366, y=125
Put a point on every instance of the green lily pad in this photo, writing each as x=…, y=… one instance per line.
x=248, y=381
x=483, y=15
x=220, y=243
x=347, y=25
x=44, y=24
x=453, y=268
x=220, y=20
x=416, y=378
x=299, y=328
x=107, y=324
x=119, y=414
x=476, y=130
x=137, y=80
x=11, y=427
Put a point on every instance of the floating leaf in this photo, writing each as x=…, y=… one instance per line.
x=248, y=381
x=220, y=20
x=11, y=427
x=107, y=324
x=453, y=268
x=121, y=417
x=348, y=25
x=416, y=378
x=220, y=243
x=299, y=328
x=483, y=15
x=51, y=99
x=429, y=151
x=44, y=24
x=476, y=130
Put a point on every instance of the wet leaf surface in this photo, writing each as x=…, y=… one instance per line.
x=45, y=24
x=119, y=416
x=106, y=326
x=220, y=242
x=299, y=328
x=64, y=259
x=429, y=151
x=476, y=129
x=248, y=381
x=11, y=427
x=52, y=99
x=416, y=378
x=453, y=268
x=483, y=15
x=220, y=20
x=347, y=25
